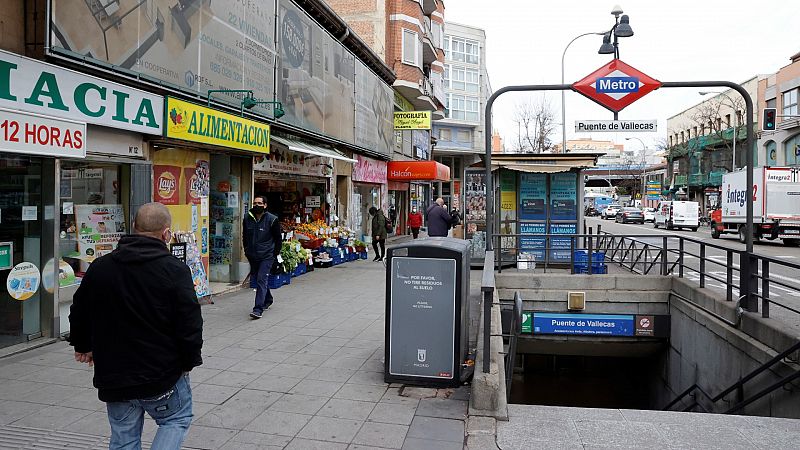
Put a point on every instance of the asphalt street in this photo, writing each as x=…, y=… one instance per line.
x=716, y=264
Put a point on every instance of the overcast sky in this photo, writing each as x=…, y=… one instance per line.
x=675, y=40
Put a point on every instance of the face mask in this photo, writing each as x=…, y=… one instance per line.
x=257, y=209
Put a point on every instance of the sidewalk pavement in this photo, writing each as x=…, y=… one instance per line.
x=308, y=375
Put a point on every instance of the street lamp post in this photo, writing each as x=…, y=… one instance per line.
x=644, y=164
x=735, y=119
x=563, y=104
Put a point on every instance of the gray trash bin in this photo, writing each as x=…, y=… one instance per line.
x=427, y=312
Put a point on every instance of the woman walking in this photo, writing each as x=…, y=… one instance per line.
x=414, y=221
x=378, y=233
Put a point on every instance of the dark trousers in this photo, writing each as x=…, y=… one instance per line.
x=382, y=243
x=415, y=231
x=259, y=280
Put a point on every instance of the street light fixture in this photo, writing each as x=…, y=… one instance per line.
x=563, y=106
x=644, y=163
x=621, y=28
x=250, y=102
x=736, y=119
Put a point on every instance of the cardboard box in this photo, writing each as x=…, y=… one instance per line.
x=458, y=232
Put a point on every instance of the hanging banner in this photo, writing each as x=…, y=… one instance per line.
x=533, y=196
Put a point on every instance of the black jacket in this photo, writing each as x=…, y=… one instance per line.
x=261, y=239
x=439, y=221
x=137, y=312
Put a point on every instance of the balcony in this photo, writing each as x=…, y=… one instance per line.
x=429, y=53
x=680, y=180
x=420, y=93
x=698, y=179
x=429, y=6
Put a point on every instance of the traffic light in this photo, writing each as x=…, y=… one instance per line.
x=769, y=119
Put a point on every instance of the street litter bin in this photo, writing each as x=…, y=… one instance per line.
x=427, y=312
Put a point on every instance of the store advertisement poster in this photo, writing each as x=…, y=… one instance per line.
x=368, y=170
x=508, y=195
x=475, y=209
x=560, y=246
x=100, y=228
x=23, y=281
x=533, y=245
x=287, y=161
x=533, y=196
x=563, y=196
x=197, y=181
x=165, y=184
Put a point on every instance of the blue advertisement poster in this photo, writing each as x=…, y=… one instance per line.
x=533, y=245
x=583, y=324
x=563, y=196
x=533, y=196
x=560, y=246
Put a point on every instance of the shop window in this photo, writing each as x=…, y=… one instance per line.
x=464, y=136
x=792, y=151
x=410, y=47
x=444, y=134
x=772, y=154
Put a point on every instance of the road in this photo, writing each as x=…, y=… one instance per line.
x=717, y=261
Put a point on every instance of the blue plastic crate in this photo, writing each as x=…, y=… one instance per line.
x=299, y=270
x=364, y=255
x=275, y=281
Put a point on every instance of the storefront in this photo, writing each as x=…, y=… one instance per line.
x=369, y=189
x=297, y=179
x=73, y=170
x=203, y=173
x=419, y=175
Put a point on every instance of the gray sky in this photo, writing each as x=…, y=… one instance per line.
x=674, y=40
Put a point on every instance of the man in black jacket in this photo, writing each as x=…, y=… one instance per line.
x=261, y=238
x=439, y=220
x=136, y=318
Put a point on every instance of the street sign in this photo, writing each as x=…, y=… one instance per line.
x=616, y=85
x=614, y=126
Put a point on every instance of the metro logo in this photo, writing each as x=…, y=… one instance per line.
x=617, y=84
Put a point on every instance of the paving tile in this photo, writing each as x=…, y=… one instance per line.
x=330, y=429
x=383, y=435
x=211, y=393
x=330, y=374
x=275, y=383
x=95, y=423
x=437, y=429
x=308, y=359
x=366, y=377
x=218, y=362
x=232, y=379
x=702, y=436
x=428, y=444
x=260, y=439
x=52, y=418
x=201, y=374
x=239, y=410
x=207, y=437
x=373, y=365
x=54, y=394
x=17, y=370
x=346, y=409
x=11, y=411
x=272, y=356
x=300, y=404
x=237, y=353
x=365, y=393
x=316, y=387
x=308, y=444
x=443, y=408
x=392, y=413
x=291, y=370
x=253, y=366
x=278, y=422
x=392, y=395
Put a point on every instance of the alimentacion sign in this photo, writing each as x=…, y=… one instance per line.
x=196, y=123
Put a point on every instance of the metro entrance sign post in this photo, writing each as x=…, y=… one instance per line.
x=619, y=86
x=616, y=85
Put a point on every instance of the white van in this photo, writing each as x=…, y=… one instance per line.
x=677, y=214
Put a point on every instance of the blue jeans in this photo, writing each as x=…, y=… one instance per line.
x=259, y=280
x=171, y=410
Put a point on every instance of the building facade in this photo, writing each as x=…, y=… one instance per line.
x=781, y=147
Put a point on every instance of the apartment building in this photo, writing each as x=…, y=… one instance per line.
x=781, y=147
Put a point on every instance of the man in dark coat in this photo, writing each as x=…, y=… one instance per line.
x=261, y=237
x=136, y=318
x=439, y=220
x=379, y=234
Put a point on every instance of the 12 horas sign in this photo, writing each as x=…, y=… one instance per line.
x=33, y=86
x=197, y=123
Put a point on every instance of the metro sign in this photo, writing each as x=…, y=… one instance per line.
x=616, y=85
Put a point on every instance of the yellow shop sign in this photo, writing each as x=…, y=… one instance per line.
x=412, y=120
x=197, y=123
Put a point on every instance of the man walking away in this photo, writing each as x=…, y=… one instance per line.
x=414, y=221
x=261, y=237
x=379, y=233
x=136, y=318
x=439, y=220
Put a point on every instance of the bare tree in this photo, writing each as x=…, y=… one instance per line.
x=535, y=124
x=711, y=124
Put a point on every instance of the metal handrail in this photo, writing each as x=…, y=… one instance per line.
x=487, y=289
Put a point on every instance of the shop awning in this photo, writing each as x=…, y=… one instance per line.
x=534, y=168
x=310, y=149
x=418, y=171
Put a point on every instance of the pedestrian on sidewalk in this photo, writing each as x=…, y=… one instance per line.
x=261, y=238
x=379, y=233
x=136, y=318
x=414, y=221
x=439, y=219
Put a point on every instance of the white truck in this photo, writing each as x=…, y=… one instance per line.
x=776, y=204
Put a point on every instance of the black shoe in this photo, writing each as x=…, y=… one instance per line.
x=255, y=315
x=376, y=259
x=380, y=259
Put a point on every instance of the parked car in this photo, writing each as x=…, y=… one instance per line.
x=629, y=215
x=677, y=214
x=649, y=214
x=611, y=211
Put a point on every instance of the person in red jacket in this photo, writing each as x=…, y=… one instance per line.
x=414, y=221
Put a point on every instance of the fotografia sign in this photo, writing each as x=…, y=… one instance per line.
x=412, y=120
x=614, y=126
x=422, y=317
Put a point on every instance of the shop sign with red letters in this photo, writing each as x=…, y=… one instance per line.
x=34, y=134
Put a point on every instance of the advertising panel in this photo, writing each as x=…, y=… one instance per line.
x=476, y=201
x=374, y=106
x=287, y=161
x=368, y=170
x=412, y=120
x=533, y=245
x=192, y=46
x=100, y=228
x=560, y=246
x=197, y=123
x=30, y=85
x=33, y=134
x=533, y=196
x=563, y=196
